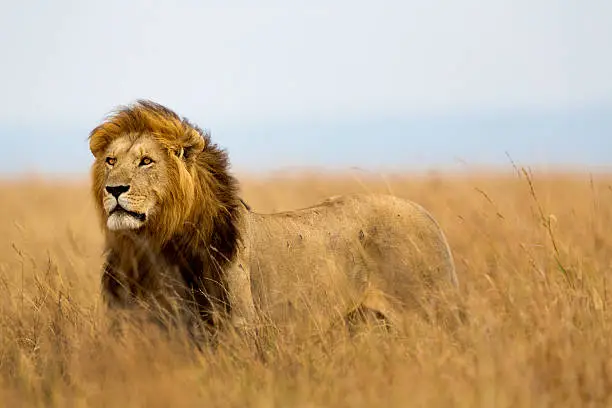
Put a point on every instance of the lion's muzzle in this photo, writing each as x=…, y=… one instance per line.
x=118, y=205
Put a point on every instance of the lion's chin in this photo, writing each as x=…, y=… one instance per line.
x=121, y=220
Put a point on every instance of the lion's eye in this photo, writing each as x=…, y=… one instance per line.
x=145, y=161
x=111, y=161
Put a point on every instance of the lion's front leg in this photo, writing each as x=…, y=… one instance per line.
x=242, y=307
x=114, y=298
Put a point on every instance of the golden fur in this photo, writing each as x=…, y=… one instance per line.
x=183, y=241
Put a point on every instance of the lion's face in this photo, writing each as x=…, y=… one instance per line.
x=134, y=179
x=150, y=169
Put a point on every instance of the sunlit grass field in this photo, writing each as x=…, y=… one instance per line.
x=533, y=253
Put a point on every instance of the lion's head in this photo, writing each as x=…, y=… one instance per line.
x=154, y=173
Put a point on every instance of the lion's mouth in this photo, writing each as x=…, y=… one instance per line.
x=120, y=210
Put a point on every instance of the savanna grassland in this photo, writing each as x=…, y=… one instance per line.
x=533, y=253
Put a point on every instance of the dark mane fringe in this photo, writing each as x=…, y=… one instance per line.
x=212, y=166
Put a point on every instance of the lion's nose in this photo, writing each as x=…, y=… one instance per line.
x=116, y=191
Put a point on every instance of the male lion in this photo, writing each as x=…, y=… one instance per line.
x=180, y=241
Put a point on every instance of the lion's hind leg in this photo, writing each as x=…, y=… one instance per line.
x=362, y=317
x=373, y=312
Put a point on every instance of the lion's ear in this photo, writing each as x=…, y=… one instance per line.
x=191, y=148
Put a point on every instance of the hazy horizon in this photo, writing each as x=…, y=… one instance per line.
x=554, y=140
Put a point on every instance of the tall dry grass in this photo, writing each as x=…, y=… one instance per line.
x=533, y=255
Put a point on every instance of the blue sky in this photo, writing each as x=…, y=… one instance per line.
x=396, y=85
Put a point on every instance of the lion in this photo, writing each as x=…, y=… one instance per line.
x=180, y=241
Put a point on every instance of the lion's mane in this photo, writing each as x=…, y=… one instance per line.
x=197, y=227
